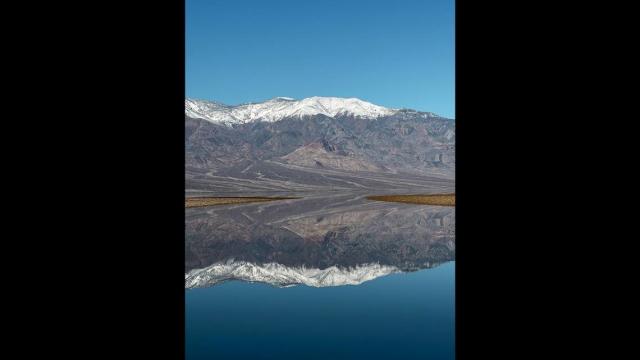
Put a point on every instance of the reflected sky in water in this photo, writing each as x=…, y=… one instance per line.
x=400, y=316
x=328, y=277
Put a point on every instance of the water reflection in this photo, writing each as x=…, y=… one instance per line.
x=341, y=239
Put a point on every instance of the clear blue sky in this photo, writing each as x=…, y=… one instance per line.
x=392, y=53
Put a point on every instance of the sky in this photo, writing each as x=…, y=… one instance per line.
x=397, y=54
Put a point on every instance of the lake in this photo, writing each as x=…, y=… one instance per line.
x=331, y=276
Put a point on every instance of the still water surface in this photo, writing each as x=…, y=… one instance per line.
x=324, y=278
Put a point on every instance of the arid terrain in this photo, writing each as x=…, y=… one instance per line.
x=426, y=199
x=315, y=145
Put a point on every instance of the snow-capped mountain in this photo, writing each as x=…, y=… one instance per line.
x=283, y=276
x=283, y=107
x=284, y=143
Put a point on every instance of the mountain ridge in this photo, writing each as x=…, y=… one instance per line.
x=279, y=108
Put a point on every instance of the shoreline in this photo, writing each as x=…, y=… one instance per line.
x=420, y=199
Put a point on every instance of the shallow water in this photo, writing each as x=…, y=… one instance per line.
x=326, y=277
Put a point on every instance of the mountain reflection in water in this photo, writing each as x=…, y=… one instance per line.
x=328, y=240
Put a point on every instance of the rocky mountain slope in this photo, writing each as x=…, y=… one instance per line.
x=295, y=137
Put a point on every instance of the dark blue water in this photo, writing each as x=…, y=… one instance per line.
x=400, y=316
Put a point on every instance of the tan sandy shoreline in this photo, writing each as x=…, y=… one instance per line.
x=426, y=199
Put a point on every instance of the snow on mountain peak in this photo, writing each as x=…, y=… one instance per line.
x=283, y=107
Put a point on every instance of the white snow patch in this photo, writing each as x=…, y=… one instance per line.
x=283, y=107
x=283, y=276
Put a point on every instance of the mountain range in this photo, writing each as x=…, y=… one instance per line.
x=316, y=143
